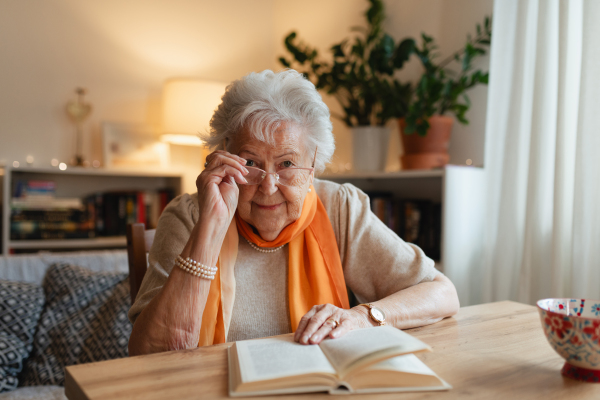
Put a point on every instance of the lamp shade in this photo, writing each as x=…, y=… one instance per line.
x=187, y=107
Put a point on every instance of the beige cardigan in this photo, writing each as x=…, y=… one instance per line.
x=376, y=262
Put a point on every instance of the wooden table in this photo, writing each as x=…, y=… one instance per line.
x=489, y=351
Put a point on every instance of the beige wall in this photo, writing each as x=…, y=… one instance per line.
x=459, y=18
x=122, y=51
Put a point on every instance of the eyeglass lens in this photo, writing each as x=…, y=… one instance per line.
x=287, y=177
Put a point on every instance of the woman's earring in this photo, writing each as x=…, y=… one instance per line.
x=309, y=190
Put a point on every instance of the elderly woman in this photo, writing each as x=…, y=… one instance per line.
x=264, y=248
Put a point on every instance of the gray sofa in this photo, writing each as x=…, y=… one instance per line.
x=84, y=300
x=32, y=268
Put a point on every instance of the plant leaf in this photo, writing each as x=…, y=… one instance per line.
x=285, y=62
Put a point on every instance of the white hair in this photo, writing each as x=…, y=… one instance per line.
x=263, y=101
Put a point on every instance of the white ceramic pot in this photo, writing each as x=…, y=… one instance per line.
x=370, y=148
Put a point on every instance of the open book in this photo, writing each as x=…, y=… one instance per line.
x=367, y=360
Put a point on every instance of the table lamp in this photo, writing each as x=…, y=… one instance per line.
x=188, y=106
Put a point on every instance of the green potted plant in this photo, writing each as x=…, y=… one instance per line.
x=425, y=130
x=360, y=77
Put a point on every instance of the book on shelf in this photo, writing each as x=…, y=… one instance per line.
x=46, y=203
x=112, y=211
x=34, y=188
x=31, y=221
x=421, y=225
x=51, y=235
x=50, y=215
x=370, y=360
x=30, y=195
x=36, y=213
x=414, y=220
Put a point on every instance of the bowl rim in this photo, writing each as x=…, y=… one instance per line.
x=537, y=303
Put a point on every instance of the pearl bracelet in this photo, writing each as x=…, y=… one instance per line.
x=195, y=268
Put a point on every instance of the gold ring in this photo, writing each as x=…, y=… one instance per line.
x=335, y=323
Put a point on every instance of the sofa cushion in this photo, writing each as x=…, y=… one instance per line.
x=12, y=353
x=84, y=320
x=32, y=267
x=36, y=393
x=20, y=308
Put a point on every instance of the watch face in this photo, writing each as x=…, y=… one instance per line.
x=377, y=314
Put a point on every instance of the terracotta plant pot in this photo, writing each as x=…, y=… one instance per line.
x=424, y=160
x=429, y=151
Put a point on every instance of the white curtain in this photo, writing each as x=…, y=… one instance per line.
x=542, y=153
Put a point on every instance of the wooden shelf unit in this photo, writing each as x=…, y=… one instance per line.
x=79, y=182
x=99, y=242
x=386, y=175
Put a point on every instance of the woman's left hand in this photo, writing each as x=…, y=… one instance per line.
x=327, y=320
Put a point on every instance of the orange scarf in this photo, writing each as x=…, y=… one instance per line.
x=315, y=269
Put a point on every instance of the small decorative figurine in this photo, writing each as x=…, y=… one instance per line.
x=78, y=110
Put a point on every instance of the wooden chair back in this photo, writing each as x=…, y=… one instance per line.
x=139, y=241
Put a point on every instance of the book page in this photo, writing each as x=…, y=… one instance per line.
x=361, y=347
x=405, y=371
x=279, y=357
x=408, y=363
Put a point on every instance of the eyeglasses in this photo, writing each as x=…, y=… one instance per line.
x=292, y=176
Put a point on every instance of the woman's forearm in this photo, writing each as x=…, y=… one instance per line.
x=418, y=305
x=172, y=320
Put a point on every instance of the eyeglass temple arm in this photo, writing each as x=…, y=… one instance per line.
x=315, y=158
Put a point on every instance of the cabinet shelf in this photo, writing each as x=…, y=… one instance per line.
x=79, y=182
x=100, y=242
x=384, y=175
x=459, y=190
x=149, y=172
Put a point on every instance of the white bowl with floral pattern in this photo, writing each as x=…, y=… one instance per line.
x=572, y=327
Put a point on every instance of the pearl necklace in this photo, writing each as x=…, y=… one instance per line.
x=255, y=247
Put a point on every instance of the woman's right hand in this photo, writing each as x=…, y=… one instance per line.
x=217, y=192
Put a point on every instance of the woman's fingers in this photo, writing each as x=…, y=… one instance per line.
x=345, y=326
x=328, y=326
x=216, y=176
x=319, y=323
x=304, y=322
x=220, y=157
x=223, y=171
x=323, y=312
x=213, y=171
x=216, y=163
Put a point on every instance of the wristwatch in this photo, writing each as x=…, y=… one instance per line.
x=375, y=313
